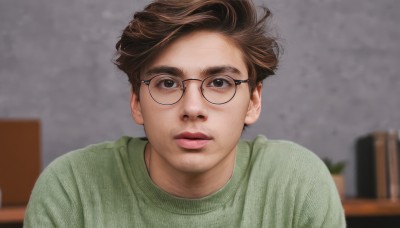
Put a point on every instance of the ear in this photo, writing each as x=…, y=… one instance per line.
x=136, y=110
x=254, y=110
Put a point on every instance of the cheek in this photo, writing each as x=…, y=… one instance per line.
x=240, y=105
x=234, y=117
x=156, y=120
x=148, y=106
x=154, y=127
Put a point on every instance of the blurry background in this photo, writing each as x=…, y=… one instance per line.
x=338, y=78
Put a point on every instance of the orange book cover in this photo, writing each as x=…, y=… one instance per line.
x=19, y=159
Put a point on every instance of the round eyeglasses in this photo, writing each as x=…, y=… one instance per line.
x=168, y=90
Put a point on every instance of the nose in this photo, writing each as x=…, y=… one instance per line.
x=193, y=104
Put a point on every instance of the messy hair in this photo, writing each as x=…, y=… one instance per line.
x=163, y=21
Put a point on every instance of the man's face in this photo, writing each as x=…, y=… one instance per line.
x=193, y=135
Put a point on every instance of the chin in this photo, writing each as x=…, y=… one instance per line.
x=194, y=166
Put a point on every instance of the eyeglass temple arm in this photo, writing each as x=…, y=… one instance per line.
x=147, y=82
x=238, y=82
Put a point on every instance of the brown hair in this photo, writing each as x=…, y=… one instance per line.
x=163, y=21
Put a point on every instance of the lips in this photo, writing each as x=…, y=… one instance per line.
x=192, y=141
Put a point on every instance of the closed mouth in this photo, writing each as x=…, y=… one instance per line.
x=193, y=136
x=192, y=141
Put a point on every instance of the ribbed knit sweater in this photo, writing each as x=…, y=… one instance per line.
x=274, y=184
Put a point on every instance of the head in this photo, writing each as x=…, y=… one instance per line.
x=191, y=41
x=164, y=21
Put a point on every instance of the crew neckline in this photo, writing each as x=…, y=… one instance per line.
x=141, y=180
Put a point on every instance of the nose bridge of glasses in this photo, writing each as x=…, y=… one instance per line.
x=192, y=79
x=184, y=82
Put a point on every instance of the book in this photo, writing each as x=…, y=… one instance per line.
x=371, y=166
x=19, y=159
x=393, y=165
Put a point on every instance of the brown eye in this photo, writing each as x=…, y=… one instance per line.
x=165, y=82
x=168, y=83
x=220, y=82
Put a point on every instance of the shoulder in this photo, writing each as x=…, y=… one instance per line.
x=285, y=157
x=286, y=165
x=91, y=156
x=92, y=164
x=296, y=178
x=73, y=179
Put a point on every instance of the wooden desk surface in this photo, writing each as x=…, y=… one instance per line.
x=12, y=214
x=371, y=207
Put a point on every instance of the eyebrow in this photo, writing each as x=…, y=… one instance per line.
x=221, y=70
x=174, y=71
x=164, y=70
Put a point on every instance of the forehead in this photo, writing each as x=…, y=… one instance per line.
x=199, y=51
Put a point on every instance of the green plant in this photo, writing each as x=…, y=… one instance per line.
x=334, y=168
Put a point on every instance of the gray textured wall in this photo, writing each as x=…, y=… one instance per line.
x=338, y=77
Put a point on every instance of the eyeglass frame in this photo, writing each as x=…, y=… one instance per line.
x=236, y=81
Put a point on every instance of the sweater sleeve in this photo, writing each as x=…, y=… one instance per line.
x=53, y=200
x=322, y=206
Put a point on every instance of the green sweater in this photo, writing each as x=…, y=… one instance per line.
x=274, y=184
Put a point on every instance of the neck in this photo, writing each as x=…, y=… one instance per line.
x=188, y=184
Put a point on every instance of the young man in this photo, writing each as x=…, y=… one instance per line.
x=196, y=69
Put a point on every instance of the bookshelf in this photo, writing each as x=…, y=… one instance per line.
x=371, y=207
x=372, y=213
x=12, y=214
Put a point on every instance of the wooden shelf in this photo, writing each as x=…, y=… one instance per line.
x=371, y=207
x=12, y=214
